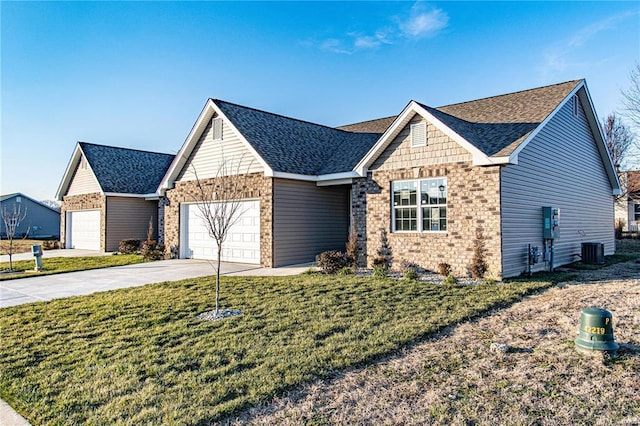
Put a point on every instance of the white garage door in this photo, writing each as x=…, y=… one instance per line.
x=84, y=229
x=243, y=240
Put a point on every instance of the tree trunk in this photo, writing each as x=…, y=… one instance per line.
x=218, y=279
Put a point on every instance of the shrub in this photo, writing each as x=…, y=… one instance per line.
x=411, y=274
x=450, y=280
x=405, y=265
x=384, y=253
x=347, y=270
x=331, y=261
x=444, y=269
x=352, y=248
x=50, y=244
x=478, y=263
x=619, y=226
x=152, y=250
x=379, y=271
x=129, y=246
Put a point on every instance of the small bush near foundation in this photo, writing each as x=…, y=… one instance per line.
x=347, y=270
x=450, y=280
x=379, y=271
x=444, y=269
x=619, y=226
x=152, y=250
x=411, y=274
x=478, y=264
x=406, y=265
x=352, y=248
x=384, y=253
x=331, y=261
x=50, y=245
x=129, y=246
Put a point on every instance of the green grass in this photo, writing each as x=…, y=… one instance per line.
x=59, y=265
x=138, y=356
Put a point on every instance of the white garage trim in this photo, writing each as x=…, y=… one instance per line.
x=243, y=240
x=83, y=229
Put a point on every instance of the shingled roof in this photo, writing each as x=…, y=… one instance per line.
x=126, y=171
x=294, y=146
x=495, y=125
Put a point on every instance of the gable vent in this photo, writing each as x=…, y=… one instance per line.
x=419, y=134
x=216, y=125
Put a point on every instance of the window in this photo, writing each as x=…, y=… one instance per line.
x=636, y=211
x=419, y=134
x=216, y=126
x=430, y=215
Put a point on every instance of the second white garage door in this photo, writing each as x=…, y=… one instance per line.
x=243, y=240
x=83, y=230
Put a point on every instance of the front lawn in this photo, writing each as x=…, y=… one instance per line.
x=58, y=265
x=139, y=355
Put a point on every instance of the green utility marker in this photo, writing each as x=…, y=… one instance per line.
x=596, y=331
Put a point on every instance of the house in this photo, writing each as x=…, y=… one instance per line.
x=40, y=222
x=298, y=181
x=628, y=204
x=436, y=179
x=108, y=195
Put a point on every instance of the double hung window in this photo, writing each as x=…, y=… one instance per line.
x=420, y=205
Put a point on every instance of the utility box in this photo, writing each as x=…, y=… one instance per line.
x=36, y=250
x=596, y=331
x=593, y=253
x=550, y=223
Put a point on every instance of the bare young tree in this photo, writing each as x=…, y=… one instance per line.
x=631, y=97
x=12, y=218
x=219, y=202
x=619, y=139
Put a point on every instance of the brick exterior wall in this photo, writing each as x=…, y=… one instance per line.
x=256, y=186
x=91, y=201
x=473, y=205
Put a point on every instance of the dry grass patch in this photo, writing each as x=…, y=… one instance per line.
x=19, y=245
x=455, y=378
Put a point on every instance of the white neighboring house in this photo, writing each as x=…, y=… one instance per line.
x=628, y=206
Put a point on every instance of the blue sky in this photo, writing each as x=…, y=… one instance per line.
x=138, y=74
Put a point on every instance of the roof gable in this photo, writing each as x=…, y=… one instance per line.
x=118, y=170
x=283, y=145
x=7, y=197
x=494, y=130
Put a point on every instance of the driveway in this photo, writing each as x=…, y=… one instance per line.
x=47, y=287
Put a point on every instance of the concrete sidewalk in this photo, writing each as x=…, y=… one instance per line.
x=47, y=287
x=55, y=253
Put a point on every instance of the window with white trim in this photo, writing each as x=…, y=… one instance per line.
x=216, y=126
x=636, y=212
x=418, y=134
x=430, y=215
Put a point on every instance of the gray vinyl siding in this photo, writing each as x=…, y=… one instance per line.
x=39, y=222
x=83, y=181
x=128, y=218
x=308, y=220
x=560, y=167
x=207, y=153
